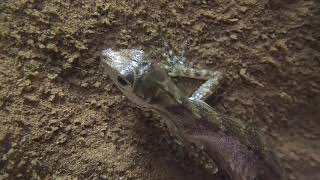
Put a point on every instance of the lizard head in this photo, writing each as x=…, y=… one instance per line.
x=122, y=66
x=144, y=83
x=131, y=73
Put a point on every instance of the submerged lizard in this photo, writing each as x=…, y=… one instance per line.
x=220, y=142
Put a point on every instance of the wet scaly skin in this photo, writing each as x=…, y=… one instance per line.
x=218, y=142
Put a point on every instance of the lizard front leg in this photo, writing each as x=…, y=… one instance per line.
x=176, y=68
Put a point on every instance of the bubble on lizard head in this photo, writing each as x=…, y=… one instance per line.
x=119, y=67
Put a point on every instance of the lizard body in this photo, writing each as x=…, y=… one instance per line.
x=221, y=141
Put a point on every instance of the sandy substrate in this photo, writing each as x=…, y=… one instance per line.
x=61, y=117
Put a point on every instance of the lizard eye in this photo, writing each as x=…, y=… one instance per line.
x=122, y=81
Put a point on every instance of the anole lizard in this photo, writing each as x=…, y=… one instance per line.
x=220, y=142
